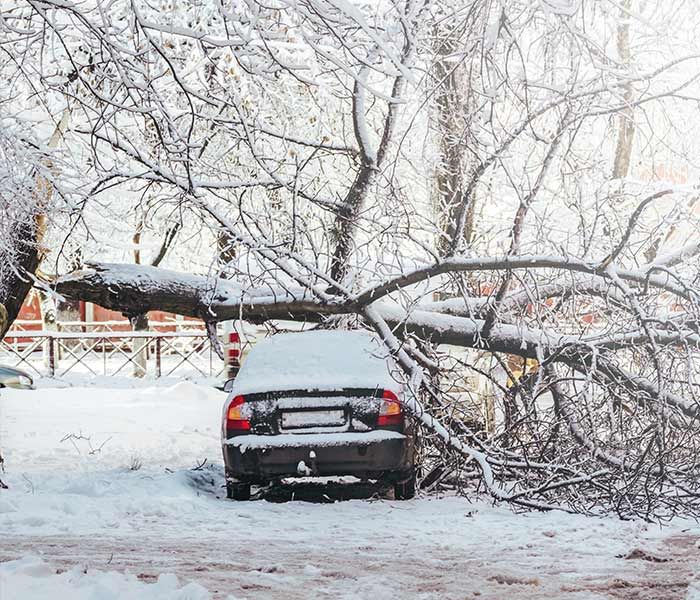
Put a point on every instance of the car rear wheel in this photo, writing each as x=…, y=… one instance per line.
x=405, y=489
x=235, y=490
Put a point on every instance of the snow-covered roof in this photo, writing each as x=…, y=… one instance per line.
x=317, y=360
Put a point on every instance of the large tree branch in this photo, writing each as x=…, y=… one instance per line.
x=527, y=262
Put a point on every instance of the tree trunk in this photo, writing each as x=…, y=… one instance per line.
x=626, y=126
x=16, y=279
x=21, y=261
x=226, y=247
x=452, y=105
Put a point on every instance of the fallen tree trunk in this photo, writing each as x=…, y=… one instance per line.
x=137, y=289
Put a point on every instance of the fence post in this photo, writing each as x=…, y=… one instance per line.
x=158, y=356
x=52, y=356
x=233, y=355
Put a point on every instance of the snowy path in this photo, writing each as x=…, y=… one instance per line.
x=347, y=566
x=82, y=511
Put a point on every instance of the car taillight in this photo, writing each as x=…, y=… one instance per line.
x=235, y=419
x=390, y=411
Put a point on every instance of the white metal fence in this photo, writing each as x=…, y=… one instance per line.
x=153, y=353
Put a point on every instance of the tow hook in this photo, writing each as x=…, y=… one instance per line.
x=304, y=470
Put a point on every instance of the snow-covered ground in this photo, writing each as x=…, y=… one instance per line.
x=125, y=514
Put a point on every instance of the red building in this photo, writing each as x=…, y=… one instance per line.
x=91, y=316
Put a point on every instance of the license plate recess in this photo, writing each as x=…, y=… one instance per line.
x=312, y=418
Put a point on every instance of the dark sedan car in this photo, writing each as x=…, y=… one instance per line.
x=10, y=377
x=318, y=403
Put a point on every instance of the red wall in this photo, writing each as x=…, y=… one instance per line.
x=31, y=311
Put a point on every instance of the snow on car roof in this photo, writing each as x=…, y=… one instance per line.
x=317, y=360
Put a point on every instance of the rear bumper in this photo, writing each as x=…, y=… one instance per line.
x=360, y=454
